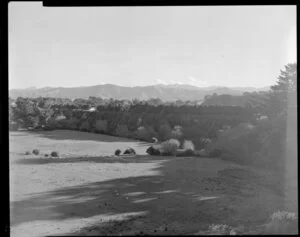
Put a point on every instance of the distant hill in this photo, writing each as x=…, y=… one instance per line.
x=164, y=92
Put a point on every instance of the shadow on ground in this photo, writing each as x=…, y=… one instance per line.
x=95, y=159
x=185, y=196
x=80, y=136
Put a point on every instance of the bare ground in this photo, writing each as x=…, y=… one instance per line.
x=87, y=192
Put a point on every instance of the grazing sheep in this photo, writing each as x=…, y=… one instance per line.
x=54, y=154
x=129, y=151
x=117, y=152
x=36, y=152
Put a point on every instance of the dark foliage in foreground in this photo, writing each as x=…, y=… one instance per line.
x=264, y=142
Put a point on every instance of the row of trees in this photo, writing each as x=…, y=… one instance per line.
x=244, y=100
x=135, y=119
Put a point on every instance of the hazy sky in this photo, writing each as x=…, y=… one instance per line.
x=198, y=45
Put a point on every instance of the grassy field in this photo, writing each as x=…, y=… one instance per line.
x=86, y=191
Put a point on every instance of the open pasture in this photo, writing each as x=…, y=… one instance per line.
x=88, y=191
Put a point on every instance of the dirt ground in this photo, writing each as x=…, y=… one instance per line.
x=87, y=192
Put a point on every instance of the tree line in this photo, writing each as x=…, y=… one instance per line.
x=227, y=126
x=128, y=118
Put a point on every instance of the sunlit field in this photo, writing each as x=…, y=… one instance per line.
x=87, y=190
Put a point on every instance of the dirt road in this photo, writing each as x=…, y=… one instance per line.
x=85, y=192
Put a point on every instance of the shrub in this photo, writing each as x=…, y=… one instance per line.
x=117, y=152
x=54, y=154
x=188, y=145
x=282, y=222
x=13, y=126
x=47, y=128
x=187, y=152
x=35, y=152
x=63, y=123
x=170, y=147
x=201, y=153
x=283, y=216
x=165, y=131
x=51, y=123
x=215, y=153
x=101, y=125
x=143, y=133
x=175, y=142
x=85, y=126
x=241, y=142
x=204, y=142
x=46, y=155
x=177, y=132
x=219, y=229
x=72, y=123
x=152, y=151
x=122, y=130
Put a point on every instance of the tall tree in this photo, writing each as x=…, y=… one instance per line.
x=284, y=93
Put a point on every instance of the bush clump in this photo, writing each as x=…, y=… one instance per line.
x=201, y=153
x=215, y=153
x=188, y=145
x=35, y=152
x=48, y=128
x=219, y=229
x=85, y=126
x=187, y=152
x=283, y=216
x=27, y=153
x=54, y=154
x=117, y=152
x=46, y=155
x=240, y=142
x=152, y=151
x=169, y=147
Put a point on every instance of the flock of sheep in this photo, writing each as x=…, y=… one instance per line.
x=169, y=147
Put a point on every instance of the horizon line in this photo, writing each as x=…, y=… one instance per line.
x=130, y=86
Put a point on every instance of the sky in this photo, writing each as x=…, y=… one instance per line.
x=137, y=46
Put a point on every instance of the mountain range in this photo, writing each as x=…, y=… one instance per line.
x=170, y=92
